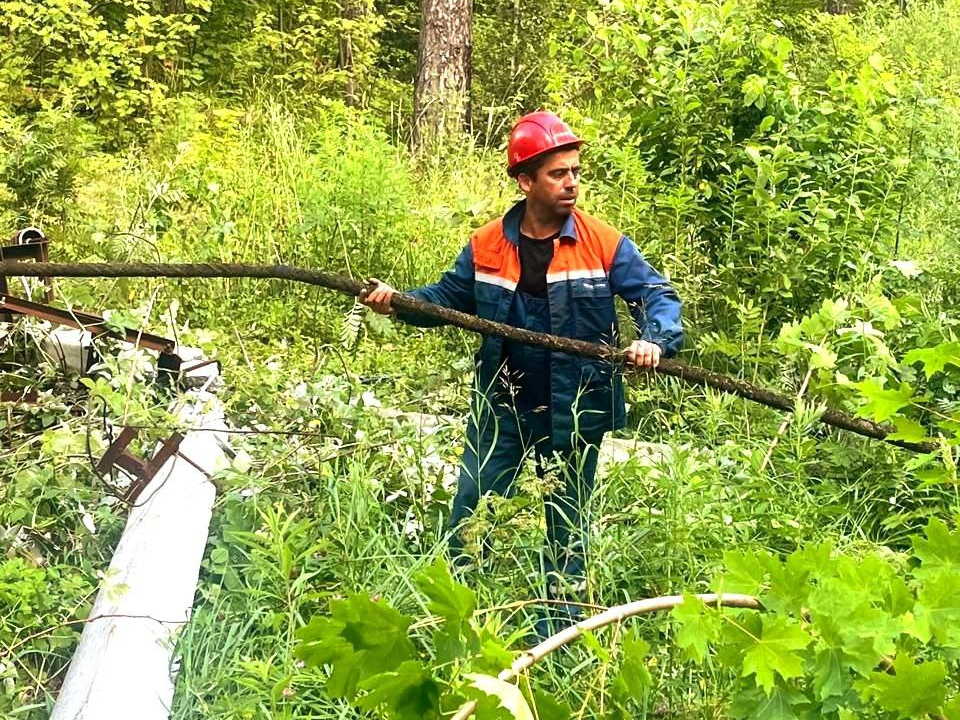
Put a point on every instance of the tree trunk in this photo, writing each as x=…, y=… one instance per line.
x=351, y=13
x=442, y=93
x=839, y=7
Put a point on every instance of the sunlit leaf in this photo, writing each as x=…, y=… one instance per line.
x=913, y=692
x=882, y=404
x=774, y=652
x=908, y=430
x=698, y=626
x=935, y=359
x=362, y=638
x=448, y=598
x=938, y=550
x=509, y=695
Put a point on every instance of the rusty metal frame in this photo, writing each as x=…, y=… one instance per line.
x=30, y=250
x=95, y=324
x=142, y=471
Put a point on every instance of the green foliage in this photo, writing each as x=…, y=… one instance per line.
x=367, y=647
x=290, y=48
x=788, y=168
x=912, y=691
x=784, y=183
x=633, y=682
x=830, y=622
x=113, y=61
x=825, y=632
x=40, y=162
x=362, y=639
x=697, y=626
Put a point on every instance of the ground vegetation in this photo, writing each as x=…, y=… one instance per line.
x=793, y=168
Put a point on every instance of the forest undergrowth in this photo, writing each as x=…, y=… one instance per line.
x=797, y=177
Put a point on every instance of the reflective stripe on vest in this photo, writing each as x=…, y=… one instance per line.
x=497, y=262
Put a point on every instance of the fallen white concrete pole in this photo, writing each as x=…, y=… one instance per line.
x=123, y=668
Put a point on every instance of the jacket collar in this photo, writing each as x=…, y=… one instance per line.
x=511, y=224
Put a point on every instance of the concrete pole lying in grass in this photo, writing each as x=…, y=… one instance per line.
x=123, y=668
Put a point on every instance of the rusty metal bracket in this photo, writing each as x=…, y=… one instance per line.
x=29, y=244
x=94, y=324
x=142, y=471
x=168, y=363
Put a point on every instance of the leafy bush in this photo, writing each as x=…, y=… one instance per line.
x=114, y=62
x=837, y=635
x=757, y=182
x=40, y=166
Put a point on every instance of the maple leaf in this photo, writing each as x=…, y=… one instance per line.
x=448, y=598
x=754, y=704
x=789, y=584
x=940, y=549
x=408, y=693
x=914, y=691
x=362, y=638
x=508, y=694
x=908, y=430
x=699, y=626
x=829, y=674
x=935, y=359
x=633, y=680
x=773, y=652
x=938, y=609
x=453, y=641
x=744, y=572
x=848, y=617
x=817, y=559
x=882, y=404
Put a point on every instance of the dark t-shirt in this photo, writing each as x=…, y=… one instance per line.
x=535, y=257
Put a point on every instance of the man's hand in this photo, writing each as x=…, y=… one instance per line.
x=379, y=297
x=644, y=354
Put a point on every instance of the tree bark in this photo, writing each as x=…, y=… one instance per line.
x=442, y=91
x=839, y=7
x=351, y=11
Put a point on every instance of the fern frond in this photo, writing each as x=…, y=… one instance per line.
x=351, y=326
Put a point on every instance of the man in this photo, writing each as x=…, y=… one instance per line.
x=546, y=266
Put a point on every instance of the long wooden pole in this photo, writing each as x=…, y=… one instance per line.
x=405, y=303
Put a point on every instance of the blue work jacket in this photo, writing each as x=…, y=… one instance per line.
x=592, y=263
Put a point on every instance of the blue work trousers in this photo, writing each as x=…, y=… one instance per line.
x=511, y=422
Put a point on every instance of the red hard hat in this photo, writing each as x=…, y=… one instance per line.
x=536, y=133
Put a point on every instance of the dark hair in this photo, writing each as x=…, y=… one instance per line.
x=532, y=166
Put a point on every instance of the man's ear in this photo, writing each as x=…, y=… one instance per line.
x=525, y=182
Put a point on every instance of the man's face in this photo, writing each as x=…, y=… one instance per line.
x=557, y=183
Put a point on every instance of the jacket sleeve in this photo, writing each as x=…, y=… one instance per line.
x=654, y=304
x=454, y=290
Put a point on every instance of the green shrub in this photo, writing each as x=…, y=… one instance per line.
x=744, y=176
